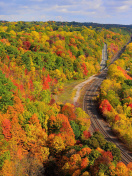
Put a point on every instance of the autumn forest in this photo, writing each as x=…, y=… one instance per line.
x=40, y=136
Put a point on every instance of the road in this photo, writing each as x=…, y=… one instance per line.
x=97, y=121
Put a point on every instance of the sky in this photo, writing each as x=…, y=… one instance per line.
x=97, y=11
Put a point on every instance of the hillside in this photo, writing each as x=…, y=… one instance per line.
x=38, y=135
x=115, y=97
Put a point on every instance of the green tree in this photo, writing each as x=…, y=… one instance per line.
x=75, y=128
x=6, y=94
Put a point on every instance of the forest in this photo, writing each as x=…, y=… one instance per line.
x=116, y=98
x=39, y=136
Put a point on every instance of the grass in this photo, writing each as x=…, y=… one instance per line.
x=69, y=92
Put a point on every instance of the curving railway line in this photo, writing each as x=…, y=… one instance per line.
x=97, y=122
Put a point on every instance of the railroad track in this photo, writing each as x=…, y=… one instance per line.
x=97, y=122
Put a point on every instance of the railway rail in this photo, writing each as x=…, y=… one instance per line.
x=97, y=121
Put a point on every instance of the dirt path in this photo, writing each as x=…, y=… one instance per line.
x=79, y=87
